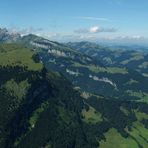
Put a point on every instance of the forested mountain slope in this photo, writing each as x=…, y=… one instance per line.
x=132, y=57
x=113, y=81
x=42, y=109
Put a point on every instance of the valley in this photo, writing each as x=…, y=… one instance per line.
x=55, y=96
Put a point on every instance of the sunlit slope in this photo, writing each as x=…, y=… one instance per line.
x=40, y=108
x=17, y=55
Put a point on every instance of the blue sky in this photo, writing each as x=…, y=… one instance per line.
x=67, y=20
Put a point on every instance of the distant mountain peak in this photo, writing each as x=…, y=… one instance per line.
x=8, y=37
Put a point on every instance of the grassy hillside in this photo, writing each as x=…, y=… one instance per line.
x=124, y=124
x=17, y=55
x=41, y=109
x=121, y=56
x=33, y=104
x=125, y=69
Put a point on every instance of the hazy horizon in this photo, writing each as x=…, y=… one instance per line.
x=114, y=21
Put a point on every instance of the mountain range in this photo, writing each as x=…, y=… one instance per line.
x=72, y=95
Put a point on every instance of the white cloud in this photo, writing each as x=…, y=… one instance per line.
x=132, y=37
x=24, y=31
x=93, y=18
x=137, y=37
x=83, y=34
x=95, y=29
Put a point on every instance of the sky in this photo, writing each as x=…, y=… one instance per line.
x=75, y=20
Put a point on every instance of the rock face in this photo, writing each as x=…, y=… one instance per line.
x=40, y=44
x=7, y=37
x=106, y=80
